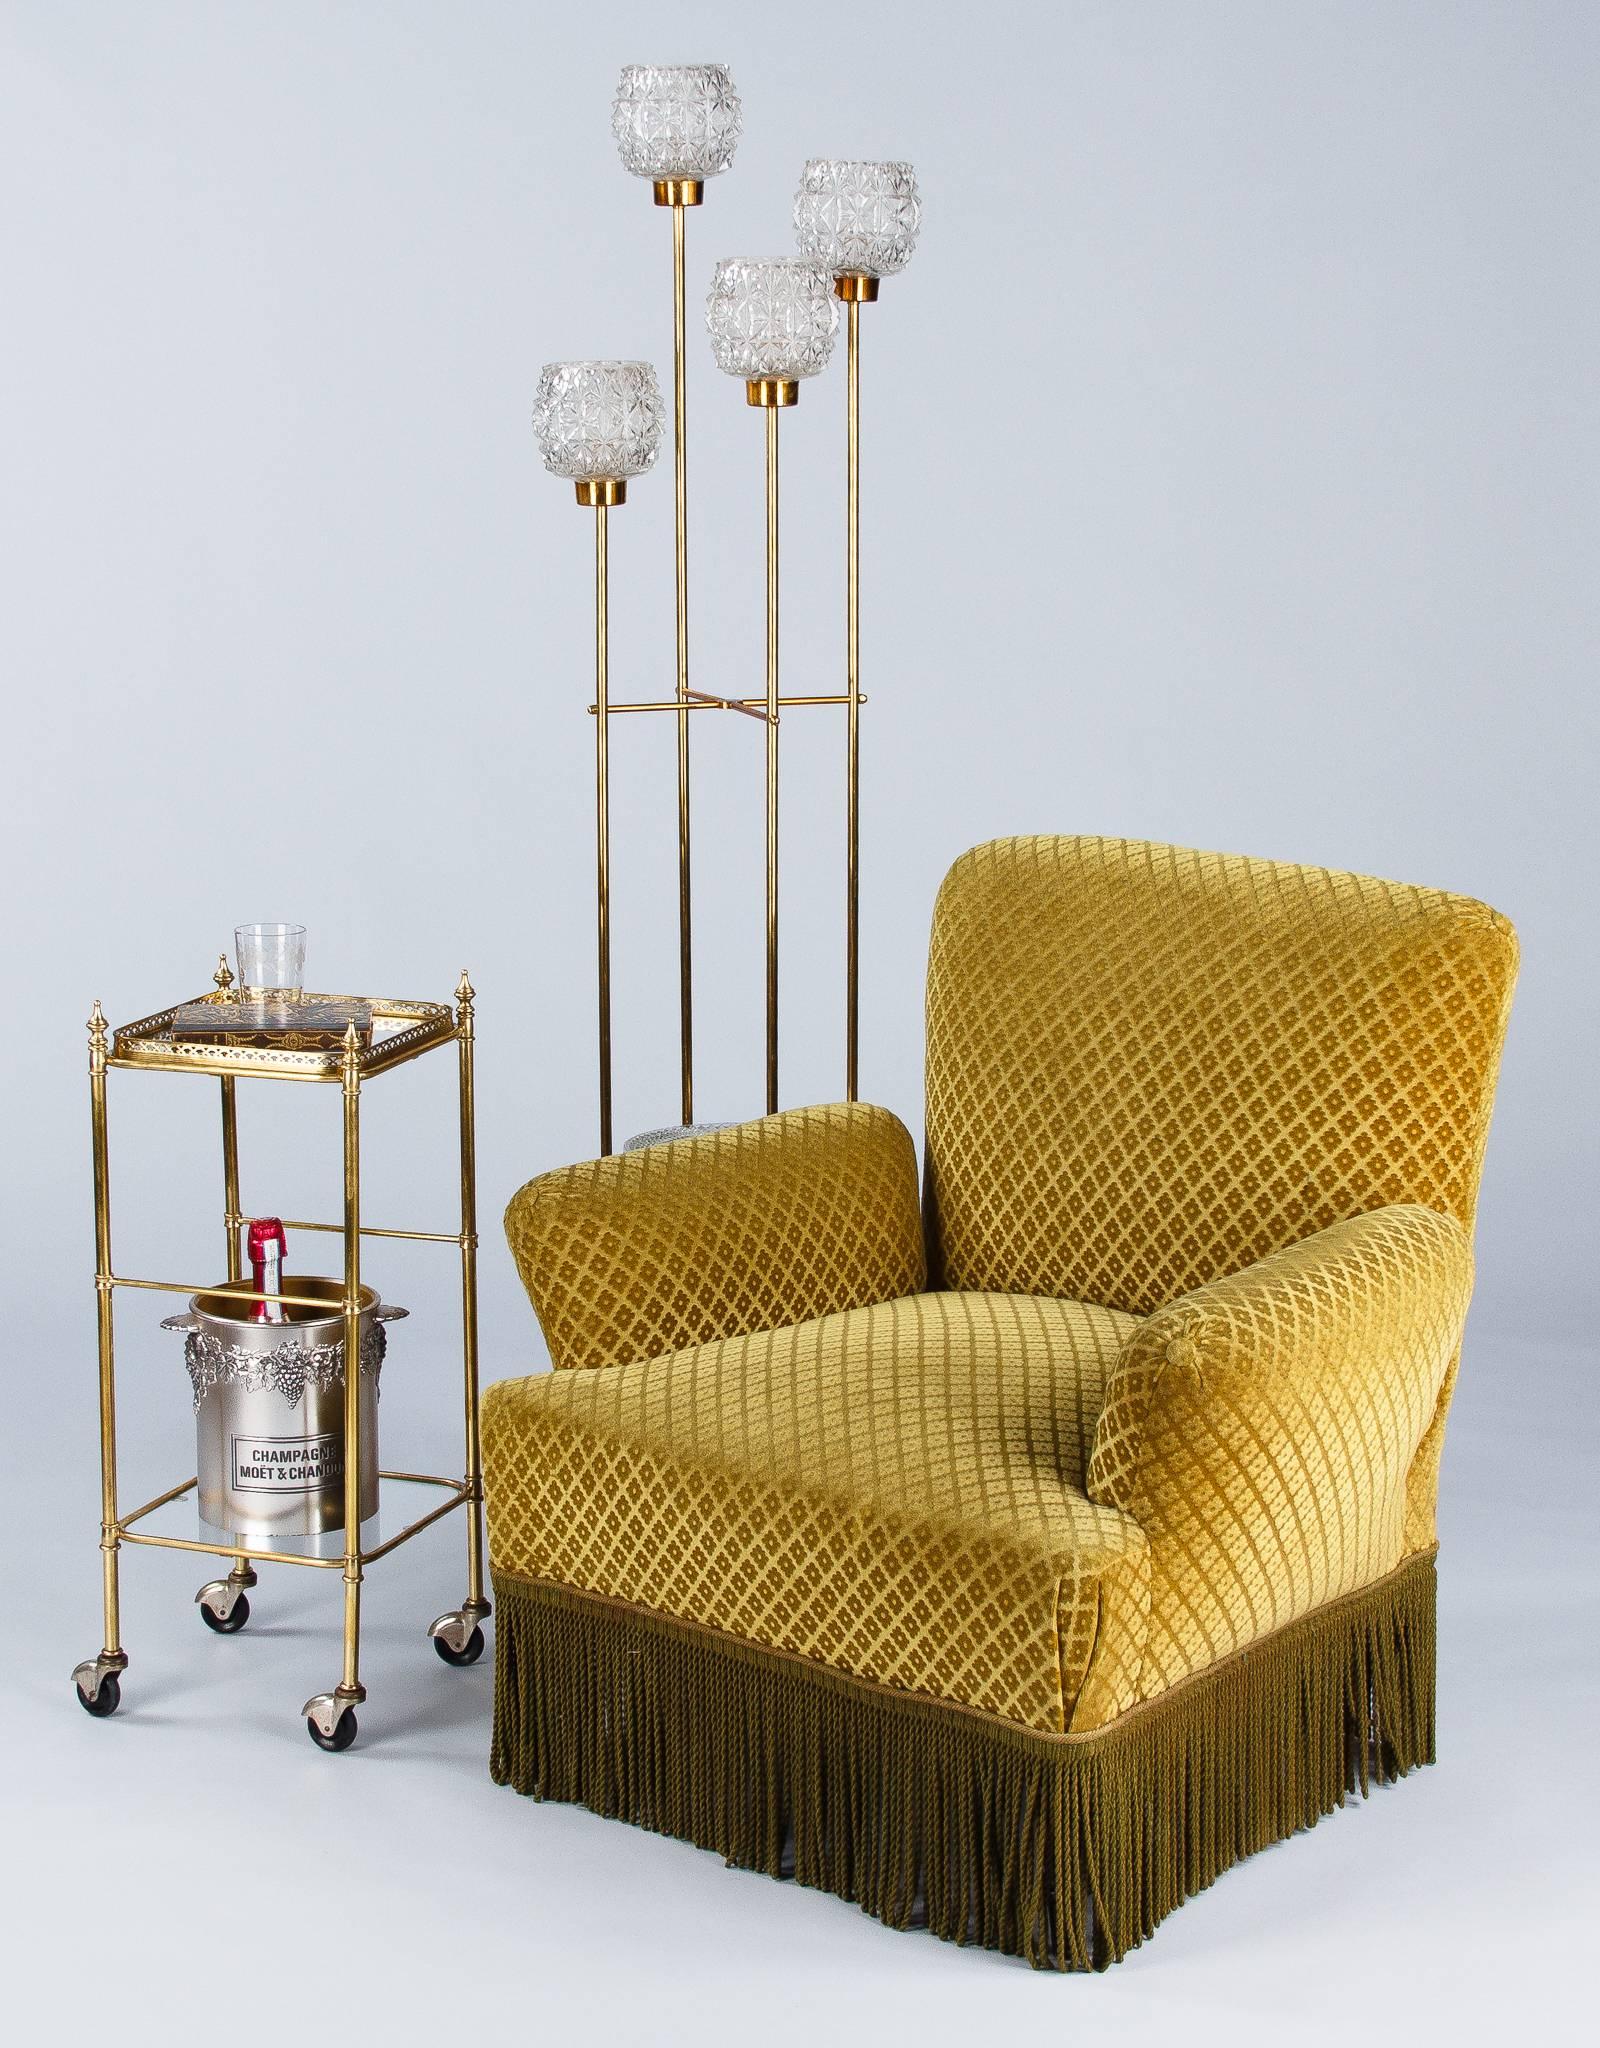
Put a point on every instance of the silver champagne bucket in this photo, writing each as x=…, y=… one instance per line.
x=269, y=1409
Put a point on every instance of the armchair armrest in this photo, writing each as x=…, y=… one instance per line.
x=752, y=1228
x=1261, y=1428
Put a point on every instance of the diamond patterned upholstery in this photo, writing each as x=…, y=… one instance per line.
x=742, y=1229
x=1260, y=1429
x=1149, y=1067
x=896, y=1490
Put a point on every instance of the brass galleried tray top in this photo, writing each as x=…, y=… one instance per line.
x=400, y=1031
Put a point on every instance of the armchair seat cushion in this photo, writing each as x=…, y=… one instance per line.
x=896, y=1491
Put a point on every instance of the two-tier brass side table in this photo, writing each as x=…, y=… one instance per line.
x=402, y=1031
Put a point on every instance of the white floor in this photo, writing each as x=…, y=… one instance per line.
x=193, y=1870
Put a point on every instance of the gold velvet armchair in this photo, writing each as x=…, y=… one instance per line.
x=1015, y=1560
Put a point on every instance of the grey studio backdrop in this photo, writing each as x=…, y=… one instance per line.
x=1229, y=479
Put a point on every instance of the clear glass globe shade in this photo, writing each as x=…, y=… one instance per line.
x=771, y=319
x=598, y=420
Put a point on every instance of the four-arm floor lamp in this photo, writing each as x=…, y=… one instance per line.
x=772, y=324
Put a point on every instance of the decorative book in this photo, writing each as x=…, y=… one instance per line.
x=312, y=1024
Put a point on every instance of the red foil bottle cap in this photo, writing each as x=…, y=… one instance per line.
x=265, y=1230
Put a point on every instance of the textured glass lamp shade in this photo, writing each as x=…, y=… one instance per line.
x=676, y=120
x=598, y=420
x=773, y=320
x=856, y=218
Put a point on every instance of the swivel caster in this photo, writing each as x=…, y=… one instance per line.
x=469, y=1653
x=457, y=1636
x=330, y=1721
x=98, y=1684
x=344, y=1733
x=223, y=1605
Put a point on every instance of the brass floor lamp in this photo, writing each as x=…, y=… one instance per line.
x=771, y=325
x=600, y=423
x=859, y=221
x=678, y=125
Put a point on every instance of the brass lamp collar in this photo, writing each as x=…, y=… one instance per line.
x=678, y=191
x=772, y=391
x=855, y=287
x=602, y=490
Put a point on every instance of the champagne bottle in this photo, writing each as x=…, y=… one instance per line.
x=267, y=1246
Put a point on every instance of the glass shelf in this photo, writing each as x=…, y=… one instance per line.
x=408, y=1502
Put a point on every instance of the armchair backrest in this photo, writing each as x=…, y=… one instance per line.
x=1149, y=1067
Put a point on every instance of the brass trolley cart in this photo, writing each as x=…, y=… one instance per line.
x=402, y=1031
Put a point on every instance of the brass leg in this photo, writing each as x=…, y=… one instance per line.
x=329, y=1716
x=454, y=1633
x=853, y=686
x=602, y=773
x=350, y=1684
x=97, y=1679
x=230, y=1177
x=771, y=415
x=680, y=458
x=222, y=1602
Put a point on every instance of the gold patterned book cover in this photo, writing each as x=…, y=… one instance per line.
x=317, y=1024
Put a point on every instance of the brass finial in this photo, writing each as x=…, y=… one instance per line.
x=352, y=1046
x=97, y=1038
x=224, y=974
x=466, y=994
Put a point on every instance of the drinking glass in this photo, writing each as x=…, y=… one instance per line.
x=272, y=960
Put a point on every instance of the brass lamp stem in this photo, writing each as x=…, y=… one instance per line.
x=602, y=816
x=681, y=489
x=852, y=999
x=772, y=413
x=856, y=290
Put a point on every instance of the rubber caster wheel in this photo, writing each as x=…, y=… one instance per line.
x=469, y=1653
x=228, y=1624
x=104, y=1702
x=343, y=1735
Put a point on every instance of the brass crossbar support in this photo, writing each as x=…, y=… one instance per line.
x=371, y=1230
x=729, y=704
x=172, y=1493
x=108, y=1281
x=458, y=1493
x=702, y=700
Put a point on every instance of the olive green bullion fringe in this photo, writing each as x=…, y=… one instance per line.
x=1067, y=1851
